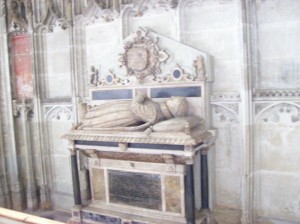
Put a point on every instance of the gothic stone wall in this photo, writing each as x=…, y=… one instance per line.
x=255, y=101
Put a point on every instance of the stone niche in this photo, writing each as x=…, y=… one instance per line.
x=145, y=125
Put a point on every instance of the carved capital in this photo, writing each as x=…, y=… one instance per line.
x=18, y=14
x=189, y=160
x=188, y=148
x=22, y=108
x=204, y=151
x=71, y=147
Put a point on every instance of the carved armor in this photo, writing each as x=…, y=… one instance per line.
x=138, y=114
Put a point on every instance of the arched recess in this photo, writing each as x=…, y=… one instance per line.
x=276, y=168
x=227, y=155
x=182, y=6
x=126, y=13
x=58, y=120
x=159, y=16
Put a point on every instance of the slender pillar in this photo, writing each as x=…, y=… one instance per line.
x=116, y=7
x=190, y=195
x=204, y=180
x=206, y=216
x=75, y=176
x=32, y=200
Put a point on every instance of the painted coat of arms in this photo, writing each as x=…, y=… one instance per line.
x=142, y=56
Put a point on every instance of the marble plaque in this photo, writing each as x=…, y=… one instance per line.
x=136, y=189
x=172, y=194
x=98, y=184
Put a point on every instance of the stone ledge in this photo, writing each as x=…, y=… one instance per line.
x=195, y=138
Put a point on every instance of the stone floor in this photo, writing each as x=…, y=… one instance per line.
x=222, y=215
x=62, y=216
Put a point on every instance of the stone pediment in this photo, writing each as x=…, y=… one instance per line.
x=146, y=57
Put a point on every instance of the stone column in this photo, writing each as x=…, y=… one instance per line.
x=76, y=210
x=75, y=175
x=206, y=215
x=24, y=110
x=116, y=7
x=189, y=194
x=12, y=176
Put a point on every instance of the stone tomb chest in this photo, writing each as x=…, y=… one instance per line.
x=146, y=121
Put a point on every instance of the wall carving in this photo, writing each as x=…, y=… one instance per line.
x=107, y=11
x=110, y=79
x=280, y=113
x=192, y=3
x=142, y=61
x=165, y=4
x=277, y=93
x=225, y=97
x=19, y=13
x=53, y=18
x=57, y=100
x=226, y=112
x=61, y=113
x=97, y=11
x=142, y=56
x=261, y=106
x=2, y=8
x=178, y=74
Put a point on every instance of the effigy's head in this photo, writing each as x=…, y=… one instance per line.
x=178, y=106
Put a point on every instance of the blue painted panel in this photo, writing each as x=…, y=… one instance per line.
x=112, y=94
x=194, y=91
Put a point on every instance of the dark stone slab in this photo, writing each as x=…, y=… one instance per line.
x=132, y=145
x=101, y=218
x=156, y=146
x=136, y=189
x=95, y=143
x=194, y=91
x=112, y=94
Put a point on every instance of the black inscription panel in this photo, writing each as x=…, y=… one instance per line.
x=136, y=189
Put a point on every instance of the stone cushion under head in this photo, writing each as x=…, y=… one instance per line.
x=179, y=124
